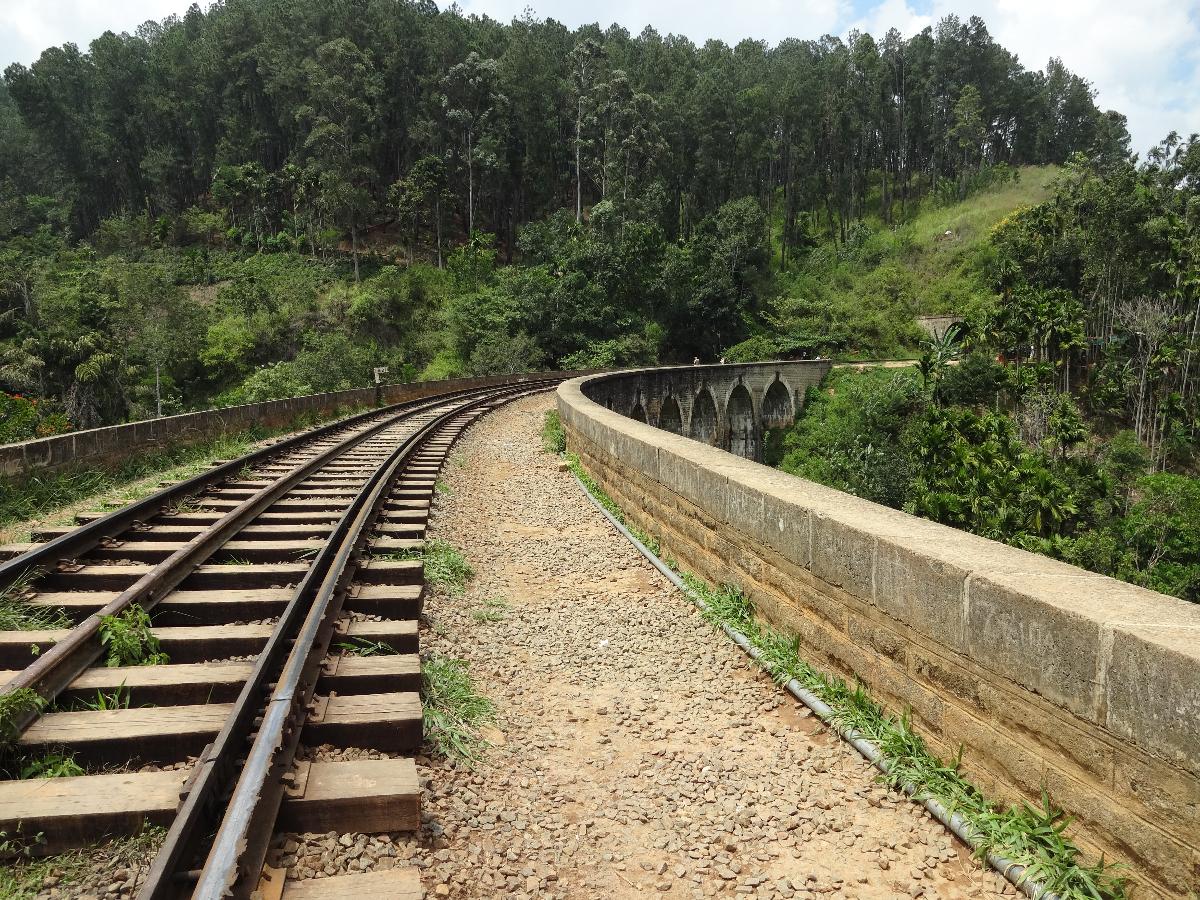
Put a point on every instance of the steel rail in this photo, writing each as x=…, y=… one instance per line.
x=303, y=633
x=54, y=670
x=88, y=537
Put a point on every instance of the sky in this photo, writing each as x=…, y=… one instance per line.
x=1142, y=57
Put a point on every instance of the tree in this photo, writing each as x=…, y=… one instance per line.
x=343, y=88
x=587, y=59
x=472, y=103
x=969, y=132
x=418, y=199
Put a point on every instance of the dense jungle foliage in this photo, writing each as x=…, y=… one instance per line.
x=1063, y=416
x=273, y=196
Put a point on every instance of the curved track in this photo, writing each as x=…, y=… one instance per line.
x=249, y=573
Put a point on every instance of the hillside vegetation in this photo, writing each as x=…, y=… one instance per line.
x=858, y=298
x=273, y=196
x=1063, y=417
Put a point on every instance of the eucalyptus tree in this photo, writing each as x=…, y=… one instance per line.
x=343, y=88
x=473, y=104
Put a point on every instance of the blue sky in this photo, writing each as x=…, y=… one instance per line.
x=1143, y=58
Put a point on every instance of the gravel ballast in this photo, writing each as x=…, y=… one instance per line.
x=638, y=752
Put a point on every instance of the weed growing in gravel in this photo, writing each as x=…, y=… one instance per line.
x=362, y=647
x=554, y=439
x=118, y=699
x=129, y=640
x=51, y=765
x=16, y=614
x=491, y=610
x=454, y=712
x=22, y=879
x=1030, y=836
x=444, y=564
x=442, y=488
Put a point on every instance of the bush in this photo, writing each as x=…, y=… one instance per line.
x=850, y=435
x=22, y=419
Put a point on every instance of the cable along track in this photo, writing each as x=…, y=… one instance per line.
x=250, y=572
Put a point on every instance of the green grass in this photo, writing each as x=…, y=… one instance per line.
x=17, y=615
x=490, y=611
x=554, y=439
x=362, y=647
x=444, y=564
x=1033, y=836
x=14, y=705
x=21, y=879
x=442, y=488
x=118, y=699
x=454, y=711
x=51, y=765
x=128, y=640
x=858, y=299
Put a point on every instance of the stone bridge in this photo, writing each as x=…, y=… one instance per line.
x=726, y=406
x=1043, y=676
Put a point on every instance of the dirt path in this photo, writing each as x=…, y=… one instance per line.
x=638, y=753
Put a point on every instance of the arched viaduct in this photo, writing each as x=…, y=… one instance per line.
x=726, y=406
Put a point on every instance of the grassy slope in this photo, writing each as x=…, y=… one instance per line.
x=870, y=289
x=938, y=257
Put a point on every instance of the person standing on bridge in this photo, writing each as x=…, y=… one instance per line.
x=696, y=361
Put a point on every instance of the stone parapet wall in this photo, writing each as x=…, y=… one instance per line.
x=113, y=445
x=1048, y=676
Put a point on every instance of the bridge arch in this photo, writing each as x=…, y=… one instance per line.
x=778, y=410
x=639, y=412
x=742, y=429
x=670, y=417
x=704, y=417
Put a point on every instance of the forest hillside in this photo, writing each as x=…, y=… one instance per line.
x=273, y=196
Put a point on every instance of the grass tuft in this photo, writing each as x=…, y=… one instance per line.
x=445, y=565
x=129, y=641
x=17, y=615
x=554, y=439
x=22, y=879
x=14, y=705
x=356, y=646
x=454, y=712
x=51, y=765
x=491, y=610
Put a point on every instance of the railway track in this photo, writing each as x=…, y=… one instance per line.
x=261, y=581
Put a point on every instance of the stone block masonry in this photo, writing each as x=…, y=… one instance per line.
x=1048, y=676
x=108, y=447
